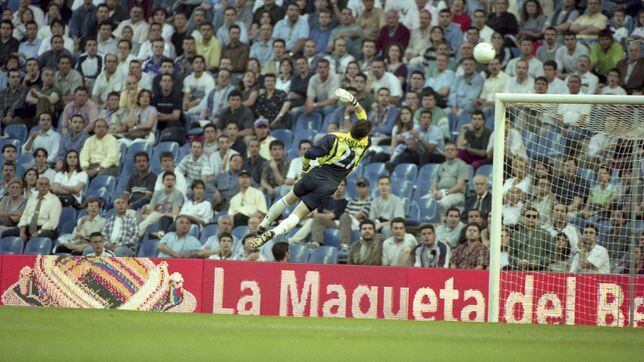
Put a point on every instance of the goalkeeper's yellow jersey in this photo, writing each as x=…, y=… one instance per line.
x=339, y=153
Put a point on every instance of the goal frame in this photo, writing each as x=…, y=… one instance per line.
x=502, y=100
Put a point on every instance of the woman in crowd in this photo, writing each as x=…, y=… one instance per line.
x=503, y=53
x=12, y=205
x=543, y=200
x=69, y=183
x=285, y=76
x=249, y=88
x=562, y=257
x=353, y=69
x=395, y=65
x=532, y=21
x=29, y=181
x=143, y=120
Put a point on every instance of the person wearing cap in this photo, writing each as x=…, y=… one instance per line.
x=356, y=210
x=248, y=202
x=262, y=135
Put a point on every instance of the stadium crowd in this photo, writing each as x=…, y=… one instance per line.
x=132, y=127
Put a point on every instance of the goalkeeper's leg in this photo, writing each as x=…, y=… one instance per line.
x=276, y=210
x=283, y=227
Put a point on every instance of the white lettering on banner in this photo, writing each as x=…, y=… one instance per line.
x=340, y=302
x=549, y=306
x=218, y=294
x=448, y=294
x=478, y=308
x=288, y=286
x=403, y=301
x=638, y=317
x=571, y=300
x=254, y=299
x=420, y=307
x=372, y=297
x=524, y=300
x=611, y=297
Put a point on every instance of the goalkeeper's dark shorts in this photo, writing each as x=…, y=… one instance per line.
x=315, y=187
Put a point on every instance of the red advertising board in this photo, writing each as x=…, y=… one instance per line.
x=313, y=290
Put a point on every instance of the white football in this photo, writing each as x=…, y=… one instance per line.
x=484, y=52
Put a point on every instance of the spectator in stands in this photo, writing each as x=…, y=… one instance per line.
x=167, y=102
x=80, y=105
x=249, y=253
x=632, y=69
x=70, y=182
x=196, y=86
x=471, y=253
x=356, y=210
x=380, y=115
x=349, y=30
x=430, y=253
x=225, y=251
x=494, y=83
x=321, y=90
x=570, y=188
x=237, y=113
x=10, y=154
x=535, y=65
x=217, y=99
x=198, y=210
x=164, y=206
x=104, y=39
x=600, y=197
x=392, y=33
x=12, y=98
x=52, y=57
x=29, y=179
x=45, y=137
x=562, y=255
x=294, y=28
x=179, y=244
x=87, y=225
x=513, y=203
x=386, y=206
x=452, y=31
x=273, y=105
x=563, y=17
x=41, y=165
x=591, y=258
x=12, y=204
x=548, y=51
x=295, y=166
x=115, y=116
x=560, y=224
x=210, y=144
x=555, y=84
x=195, y=165
x=480, y=19
x=473, y=139
x=8, y=44
x=522, y=82
x=73, y=140
x=443, y=78
x=211, y=246
x=617, y=239
x=281, y=252
x=612, y=86
x=481, y=199
x=501, y=20
x=450, y=230
x=248, y=202
x=100, y=153
x=41, y=214
x=97, y=243
x=532, y=248
x=279, y=53
x=543, y=199
x=606, y=53
x=588, y=25
x=448, y=186
x=262, y=48
x=465, y=90
x=274, y=172
x=254, y=163
x=521, y=177
x=475, y=217
x=397, y=249
x=8, y=174
x=89, y=64
x=589, y=81
x=140, y=185
x=566, y=56
x=385, y=79
x=209, y=47
x=43, y=98
x=219, y=161
x=367, y=250
x=68, y=80
x=226, y=184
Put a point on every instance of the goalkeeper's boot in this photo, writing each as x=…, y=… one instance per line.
x=262, y=239
x=260, y=230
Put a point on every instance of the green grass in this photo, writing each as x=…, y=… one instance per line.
x=65, y=334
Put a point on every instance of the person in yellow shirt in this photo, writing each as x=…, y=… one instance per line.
x=101, y=152
x=589, y=25
x=209, y=46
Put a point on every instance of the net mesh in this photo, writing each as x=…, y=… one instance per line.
x=572, y=203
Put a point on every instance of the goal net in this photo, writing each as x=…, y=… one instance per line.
x=567, y=234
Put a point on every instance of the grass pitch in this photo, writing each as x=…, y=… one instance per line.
x=65, y=334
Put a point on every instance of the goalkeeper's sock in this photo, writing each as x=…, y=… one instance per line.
x=286, y=225
x=274, y=212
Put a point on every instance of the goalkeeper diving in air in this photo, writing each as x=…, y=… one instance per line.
x=337, y=154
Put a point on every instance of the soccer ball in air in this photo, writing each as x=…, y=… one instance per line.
x=484, y=53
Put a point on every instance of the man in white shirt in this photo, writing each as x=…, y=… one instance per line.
x=108, y=81
x=560, y=224
x=106, y=42
x=494, y=83
x=321, y=90
x=46, y=138
x=295, y=168
x=230, y=18
x=589, y=81
x=485, y=32
x=535, y=66
x=522, y=82
x=339, y=59
x=384, y=79
x=196, y=86
x=555, y=84
x=592, y=258
x=398, y=248
x=139, y=26
x=567, y=55
x=97, y=243
x=167, y=164
x=41, y=215
x=248, y=202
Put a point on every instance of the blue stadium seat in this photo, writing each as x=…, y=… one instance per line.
x=240, y=231
x=195, y=230
x=405, y=171
x=424, y=180
x=123, y=251
x=402, y=189
x=68, y=227
x=38, y=245
x=127, y=159
x=11, y=141
x=327, y=121
x=374, y=170
x=428, y=209
x=11, y=245
x=103, y=182
x=303, y=134
x=208, y=231
x=183, y=152
x=121, y=184
x=299, y=253
x=311, y=121
x=17, y=131
x=25, y=160
x=355, y=235
x=155, y=161
x=68, y=214
x=148, y=248
x=406, y=201
x=485, y=170
x=284, y=135
x=266, y=250
x=351, y=190
x=102, y=194
x=332, y=237
x=324, y=255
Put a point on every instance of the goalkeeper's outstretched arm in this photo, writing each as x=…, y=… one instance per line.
x=347, y=98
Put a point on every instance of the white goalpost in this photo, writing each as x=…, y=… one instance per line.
x=567, y=198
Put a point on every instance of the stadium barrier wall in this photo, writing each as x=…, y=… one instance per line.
x=312, y=290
